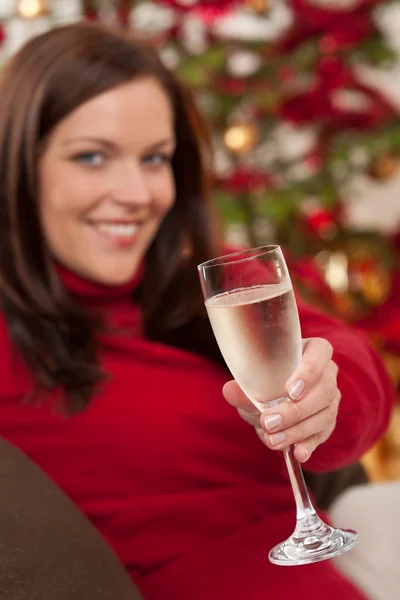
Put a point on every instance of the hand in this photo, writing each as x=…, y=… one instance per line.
x=309, y=418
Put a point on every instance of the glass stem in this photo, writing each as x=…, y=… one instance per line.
x=309, y=528
x=308, y=523
x=304, y=508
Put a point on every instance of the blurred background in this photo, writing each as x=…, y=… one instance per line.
x=303, y=100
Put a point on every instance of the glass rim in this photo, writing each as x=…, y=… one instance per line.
x=256, y=252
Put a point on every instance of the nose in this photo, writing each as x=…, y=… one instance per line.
x=130, y=186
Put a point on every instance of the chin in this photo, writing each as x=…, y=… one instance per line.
x=115, y=279
x=115, y=276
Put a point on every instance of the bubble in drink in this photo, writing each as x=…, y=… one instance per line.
x=258, y=332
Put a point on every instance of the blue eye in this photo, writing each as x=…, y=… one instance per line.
x=157, y=159
x=90, y=159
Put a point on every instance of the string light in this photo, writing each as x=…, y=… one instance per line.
x=241, y=138
x=31, y=9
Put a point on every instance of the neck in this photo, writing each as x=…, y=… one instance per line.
x=92, y=292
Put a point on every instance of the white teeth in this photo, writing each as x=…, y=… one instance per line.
x=117, y=229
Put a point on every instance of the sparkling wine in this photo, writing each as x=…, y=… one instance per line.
x=253, y=313
x=258, y=332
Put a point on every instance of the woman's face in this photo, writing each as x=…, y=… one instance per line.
x=106, y=181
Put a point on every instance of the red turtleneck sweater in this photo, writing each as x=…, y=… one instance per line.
x=178, y=484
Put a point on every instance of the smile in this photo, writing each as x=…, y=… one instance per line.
x=119, y=232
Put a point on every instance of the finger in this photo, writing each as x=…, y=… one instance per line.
x=252, y=418
x=303, y=451
x=287, y=414
x=324, y=421
x=317, y=353
x=235, y=396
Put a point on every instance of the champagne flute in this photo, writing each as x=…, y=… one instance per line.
x=252, y=309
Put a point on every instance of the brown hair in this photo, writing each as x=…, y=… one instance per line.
x=45, y=81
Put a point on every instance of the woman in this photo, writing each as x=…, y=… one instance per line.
x=111, y=378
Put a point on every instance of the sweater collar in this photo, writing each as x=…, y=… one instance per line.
x=92, y=292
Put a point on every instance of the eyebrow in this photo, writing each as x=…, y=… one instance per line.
x=107, y=143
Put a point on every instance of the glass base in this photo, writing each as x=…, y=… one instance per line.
x=324, y=543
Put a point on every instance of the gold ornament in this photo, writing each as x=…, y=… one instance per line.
x=375, y=286
x=241, y=138
x=384, y=166
x=31, y=9
x=382, y=461
x=260, y=7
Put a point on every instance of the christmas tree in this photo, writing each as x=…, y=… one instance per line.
x=295, y=124
x=300, y=130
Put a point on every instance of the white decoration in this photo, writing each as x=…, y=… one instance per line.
x=300, y=172
x=292, y=143
x=152, y=18
x=351, y=100
x=19, y=30
x=340, y=169
x=244, y=24
x=223, y=163
x=386, y=80
x=169, y=57
x=66, y=11
x=237, y=235
x=243, y=63
x=265, y=154
x=194, y=34
x=388, y=19
x=8, y=8
x=359, y=156
x=373, y=204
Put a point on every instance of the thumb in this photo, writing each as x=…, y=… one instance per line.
x=236, y=397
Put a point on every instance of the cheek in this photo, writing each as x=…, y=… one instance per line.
x=65, y=196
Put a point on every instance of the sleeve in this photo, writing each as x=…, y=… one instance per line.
x=367, y=393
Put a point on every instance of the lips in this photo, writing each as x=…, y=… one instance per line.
x=118, y=230
x=121, y=233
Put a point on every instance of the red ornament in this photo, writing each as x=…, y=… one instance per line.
x=328, y=44
x=208, y=10
x=319, y=220
x=244, y=180
x=322, y=18
x=345, y=27
x=231, y=85
x=314, y=163
x=286, y=74
x=319, y=102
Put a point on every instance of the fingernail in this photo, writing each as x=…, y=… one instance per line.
x=297, y=389
x=306, y=454
x=277, y=438
x=272, y=421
